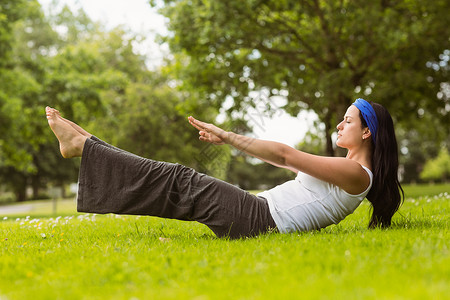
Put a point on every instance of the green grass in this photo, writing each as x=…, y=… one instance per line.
x=128, y=257
x=417, y=190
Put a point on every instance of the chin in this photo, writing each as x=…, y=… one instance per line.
x=340, y=145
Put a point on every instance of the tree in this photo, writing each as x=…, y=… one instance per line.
x=16, y=88
x=155, y=126
x=150, y=119
x=94, y=77
x=10, y=12
x=49, y=68
x=322, y=54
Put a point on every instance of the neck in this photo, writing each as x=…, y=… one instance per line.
x=362, y=155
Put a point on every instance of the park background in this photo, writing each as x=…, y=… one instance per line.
x=235, y=63
x=241, y=65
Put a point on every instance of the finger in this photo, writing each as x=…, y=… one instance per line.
x=193, y=123
x=196, y=126
x=198, y=122
x=203, y=139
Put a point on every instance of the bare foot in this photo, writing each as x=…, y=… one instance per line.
x=74, y=125
x=71, y=142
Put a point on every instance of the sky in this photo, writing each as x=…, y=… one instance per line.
x=138, y=16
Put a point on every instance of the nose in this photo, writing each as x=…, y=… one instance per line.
x=339, y=126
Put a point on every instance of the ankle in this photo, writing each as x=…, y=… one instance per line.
x=79, y=144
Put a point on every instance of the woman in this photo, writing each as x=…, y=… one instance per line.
x=325, y=191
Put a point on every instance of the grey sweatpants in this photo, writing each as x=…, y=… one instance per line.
x=112, y=180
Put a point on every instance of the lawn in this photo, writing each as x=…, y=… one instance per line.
x=83, y=256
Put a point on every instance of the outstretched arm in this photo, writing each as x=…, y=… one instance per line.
x=345, y=173
x=264, y=150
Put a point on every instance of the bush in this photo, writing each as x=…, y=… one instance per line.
x=438, y=168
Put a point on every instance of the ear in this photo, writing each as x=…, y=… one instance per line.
x=366, y=134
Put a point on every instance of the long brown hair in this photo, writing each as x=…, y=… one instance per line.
x=386, y=194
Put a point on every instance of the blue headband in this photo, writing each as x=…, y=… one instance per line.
x=369, y=115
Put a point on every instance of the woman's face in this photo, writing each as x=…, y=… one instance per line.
x=350, y=131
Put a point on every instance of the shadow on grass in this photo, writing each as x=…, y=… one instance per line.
x=190, y=231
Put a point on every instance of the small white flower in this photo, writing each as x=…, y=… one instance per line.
x=43, y=235
x=5, y=218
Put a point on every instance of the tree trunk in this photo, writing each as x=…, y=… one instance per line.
x=341, y=108
x=333, y=116
x=21, y=193
x=35, y=184
x=63, y=190
x=329, y=142
x=20, y=187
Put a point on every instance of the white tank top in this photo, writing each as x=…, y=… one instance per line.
x=307, y=203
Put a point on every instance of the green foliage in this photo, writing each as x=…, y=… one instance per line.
x=321, y=54
x=19, y=90
x=313, y=142
x=10, y=11
x=123, y=257
x=15, y=88
x=94, y=77
x=437, y=168
x=153, y=127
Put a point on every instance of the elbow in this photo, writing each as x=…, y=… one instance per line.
x=283, y=155
x=290, y=158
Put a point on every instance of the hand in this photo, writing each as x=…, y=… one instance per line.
x=208, y=132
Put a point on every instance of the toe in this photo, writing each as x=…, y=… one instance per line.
x=50, y=114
